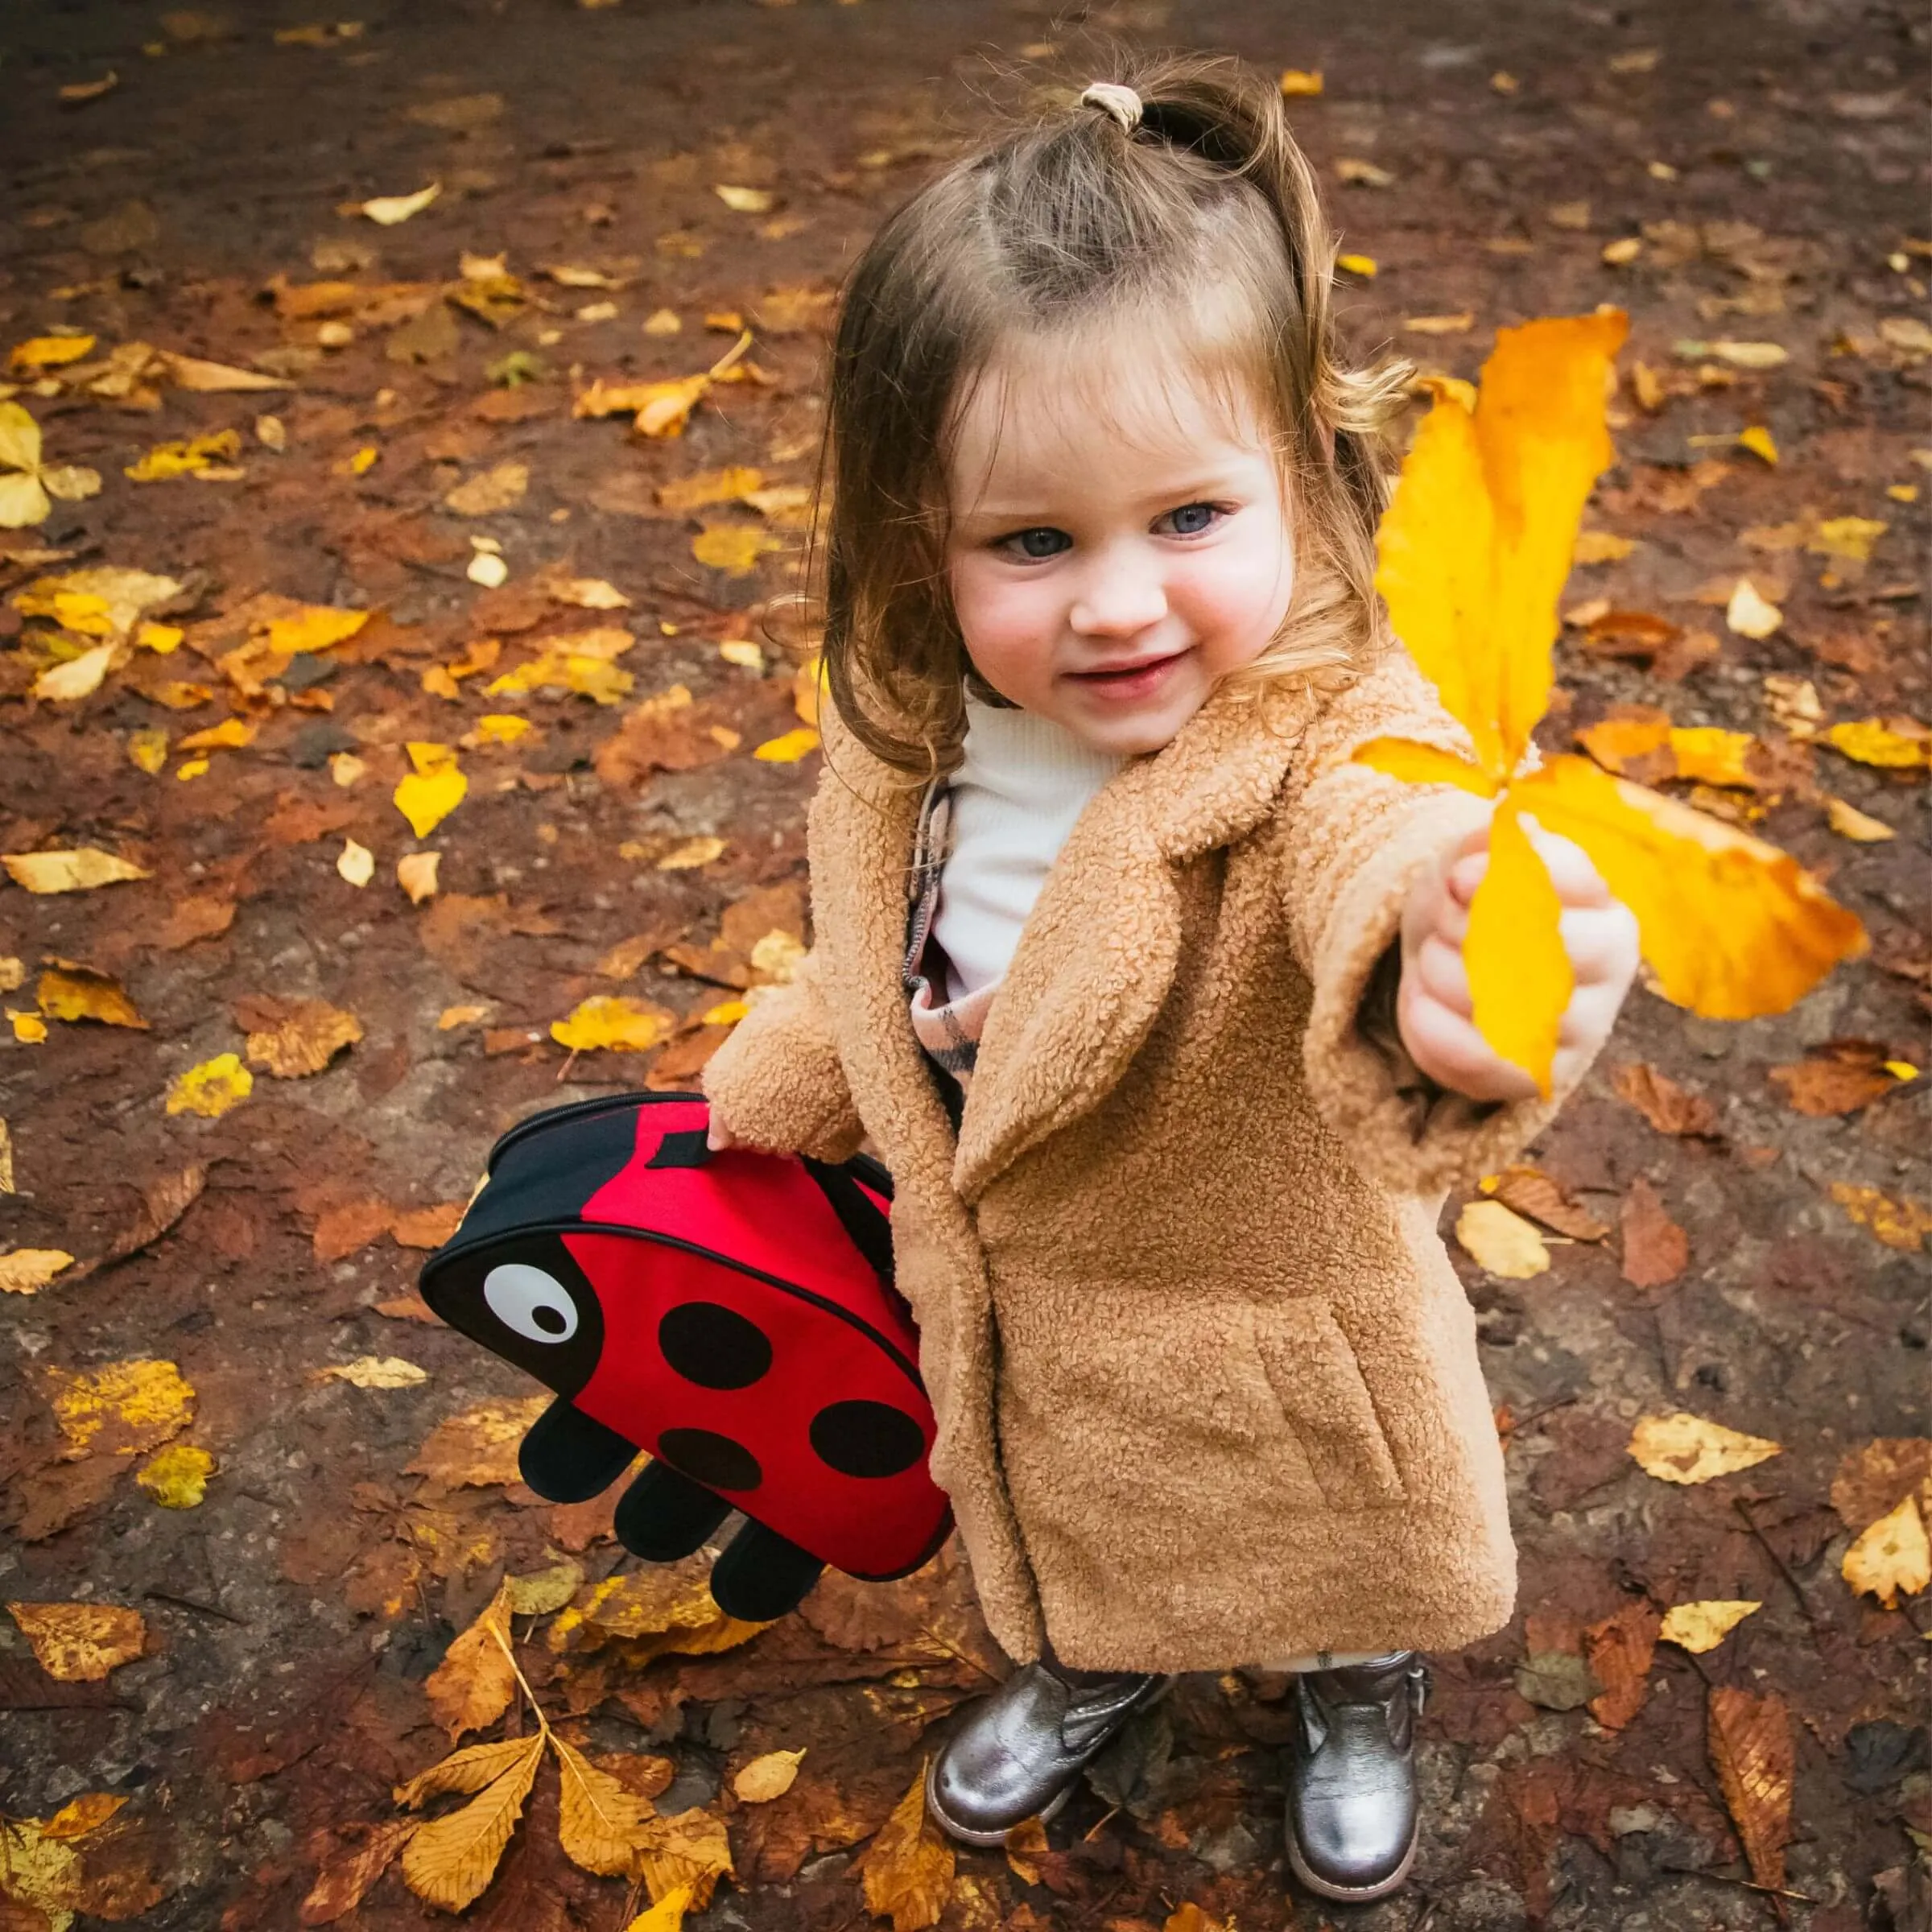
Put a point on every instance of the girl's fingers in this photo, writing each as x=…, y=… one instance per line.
x=1601, y=943
x=1465, y=875
x=1449, y=1049
x=1571, y=869
x=1441, y=974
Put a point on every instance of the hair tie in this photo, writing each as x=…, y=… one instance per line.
x=1119, y=103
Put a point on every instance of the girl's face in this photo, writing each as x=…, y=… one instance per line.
x=1108, y=565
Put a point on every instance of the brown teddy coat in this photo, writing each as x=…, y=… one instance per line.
x=1207, y=1387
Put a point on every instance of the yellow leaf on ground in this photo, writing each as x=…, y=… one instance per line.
x=80, y=1815
x=198, y=455
x=27, y=1270
x=538, y=1592
x=489, y=491
x=1705, y=1624
x=1299, y=83
x=1758, y=440
x=689, y=854
x=600, y=1825
x=292, y=1039
x=733, y=547
x=908, y=1868
x=464, y=1772
x=767, y=1778
x=500, y=728
x=689, y=1853
x=1893, y=744
x=211, y=1088
x=79, y=870
x=357, y=863
x=120, y=1408
x=746, y=200
x=1684, y=1448
x=78, y=678
x=1893, y=1555
x=1601, y=546
x=314, y=627
x=667, y=1915
x=1501, y=1240
x=1750, y=614
x=472, y=1685
x=1848, y=821
x=1851, y=538
x=614, y=1023
x=373, y=1372
x=177, y=1478
x=451, y=1860
x=788, y=746
x=386, y=211
x=47, y=352
x=427, y=795
x=147, y=748
x=1749, y=1739
x=80, y=1643
x=29, y=1029
x=711, y=487
x=1903, y=1224
x=416, y=874
x=230, y=735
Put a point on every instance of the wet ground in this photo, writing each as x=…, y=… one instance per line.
x=1763, y=167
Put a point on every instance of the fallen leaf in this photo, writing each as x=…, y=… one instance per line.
x=1655, y=1251
x=490, y=491
x=416, y=874
x=211, y=1087
x=314, y=627
x=1684, y=1448
x=788, y=747
x=1668, y=1108
x=428, y=1227
x=121, y=1409
x=1759, y=442
x=429, y=794
x=1890, y=1556
x=212, y=457
x=767, y=1778
x=1501, y=1240
x=473, y=1684
x=688, y=1853
x=1298, y=84
x=734, y=548
x=746, y=200
x=42, y=352
x=71, y=994
x=600, y=1825
x=613, y=1022
x=373, y=1372
x=26, y=494
x=1749, y=614
x=293, y=1039
x=1838, y=1078
x=80, y=1815
x=177, y=1478
x=357, y=863
x=342, y=1882
x=387, y=210
x=907, y=1869
x=27, y=1270
x=1703, y=1626
x=1893, y=744
x=1903, y=1224
x=79, y=870
x=539, y=1592
x=667, y=1915
x=1750, y=1749
x=1457, y=325
x=450, y=1861
x=1618, y=1650
x=1848, y=821
x=1530, y=1191
x=80, y=1643
x=79, y=678
x=477, y=1447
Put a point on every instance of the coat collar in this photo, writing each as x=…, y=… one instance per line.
x=1098, y=953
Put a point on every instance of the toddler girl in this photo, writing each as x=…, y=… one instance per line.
x=1150, y=999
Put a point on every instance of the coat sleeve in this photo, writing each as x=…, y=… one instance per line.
x=1354, y=840
x=776, y=1083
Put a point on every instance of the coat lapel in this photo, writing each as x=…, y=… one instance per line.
x=1099, y=951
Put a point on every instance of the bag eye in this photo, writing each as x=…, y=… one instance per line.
x=530, y=1303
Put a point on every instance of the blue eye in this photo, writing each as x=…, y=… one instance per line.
x=1191, y=519
x=1038, y=543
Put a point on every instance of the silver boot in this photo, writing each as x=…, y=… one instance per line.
x=1352, y=1818
x=1019, y=1753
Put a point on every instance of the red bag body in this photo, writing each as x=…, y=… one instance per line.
x=731, y=1313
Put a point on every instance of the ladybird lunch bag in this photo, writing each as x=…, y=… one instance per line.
x=732, y=1313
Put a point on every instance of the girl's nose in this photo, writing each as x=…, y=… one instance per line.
x=1120, y=597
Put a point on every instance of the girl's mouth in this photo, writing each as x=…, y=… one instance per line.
x=1125, y=682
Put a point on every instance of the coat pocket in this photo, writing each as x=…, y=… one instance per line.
x=1310, y=1365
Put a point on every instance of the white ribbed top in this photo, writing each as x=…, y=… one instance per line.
x=1024, y=781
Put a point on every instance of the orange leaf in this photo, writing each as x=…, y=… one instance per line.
x=1733, y=928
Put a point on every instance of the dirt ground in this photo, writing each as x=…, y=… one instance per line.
x=1745, y=1241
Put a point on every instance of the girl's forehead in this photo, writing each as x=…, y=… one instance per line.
x=1054, y=408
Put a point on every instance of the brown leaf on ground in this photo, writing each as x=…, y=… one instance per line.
x=345, y=1230
x=1530, y=1191
x=451, y=1860
x=667, y=733
x=428, y=1227
x=1655, y=1251
x=1874, y=1479
x=600, y=1823
x=80, y=1643
x=477, y=1447
x=1619, y=1649
x=1668, y=1108
x=472, y=1685
x=1839, y=1077
x=692, y=1849
x=907, y=1869
x=344, y=1880
x=294, y=1038
x=1752, y=1751
x=198, y=916
x=163, y=1202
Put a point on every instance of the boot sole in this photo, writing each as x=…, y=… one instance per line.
x=966, y=1834
x=1348, y=1894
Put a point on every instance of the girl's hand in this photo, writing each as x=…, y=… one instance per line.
x=719, y=1137
x=1433, y=1007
